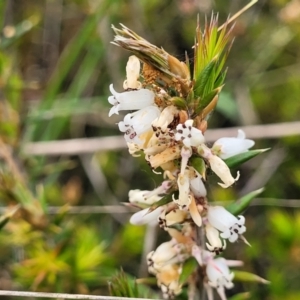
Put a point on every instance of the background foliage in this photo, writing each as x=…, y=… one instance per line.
x=56, y=63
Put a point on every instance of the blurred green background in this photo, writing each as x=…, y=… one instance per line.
x=56, y=63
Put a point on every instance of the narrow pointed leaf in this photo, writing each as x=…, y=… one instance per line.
x=220, y=79
x=166, y=199
x=206, y=100
x=188, y=268
x=240, y=205
x=180, y=103
x=204, y=78
x=249, y=277
x=236, y=160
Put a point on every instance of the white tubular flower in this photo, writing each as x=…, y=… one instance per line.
x=184, y=198
x=223, y=172
x=140, y=197
x=229, y=146
x=219, y=276
x=132, y=73
x=218, y=166
x=138, y=123
x=229, y=225
x=197, y=186
x=146, y=216
x=166, y=117
x=166, y=254
x=189, y=135
x=163, y=253
x=162, y=189
x=131, y=100
x=215, y=243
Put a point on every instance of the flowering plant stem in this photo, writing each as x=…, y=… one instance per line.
x=171, y=106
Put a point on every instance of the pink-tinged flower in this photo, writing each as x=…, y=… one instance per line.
x=149, y=197
x=229, y=146
x=186, y=153
x=189, y=135
x=139, y=197
x=130, y=100
x=146, y=216
x=132, y=73
x=219, y=276
x=215, y=243
x=231, y=227
x=137, y=123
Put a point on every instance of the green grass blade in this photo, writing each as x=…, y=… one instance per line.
x=240, y=205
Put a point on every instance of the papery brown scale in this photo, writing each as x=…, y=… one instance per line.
x=178, y=67
x=183, y=116
x=165, y=156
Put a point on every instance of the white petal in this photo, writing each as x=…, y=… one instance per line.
x=131, y=100
x=220, y=218
x=164, y=252
x=190, y=135
x=212, y=235
x=229, y=146
x=114, y=110
x=138, y=196
x=144, y=216
x=165, y=118
x=197, y=185
x=218, y=274
x=222, y=171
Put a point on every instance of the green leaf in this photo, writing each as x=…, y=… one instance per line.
x=205, y=101
x=243, y=157
x=240, y=205
x=179, y=102
x=188, y=268
x=205, y=77
x=249, y=277
x=198, y=164
x=166, y=199
x=123, y=285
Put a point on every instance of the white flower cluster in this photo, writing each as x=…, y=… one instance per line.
x=169, y=140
